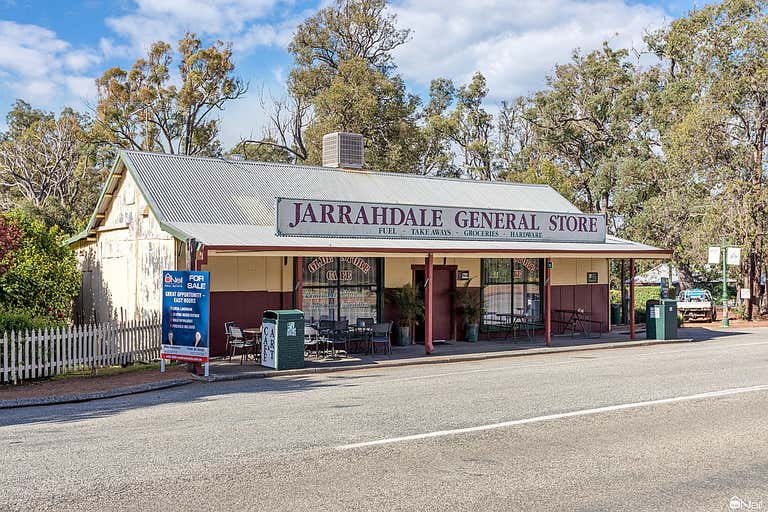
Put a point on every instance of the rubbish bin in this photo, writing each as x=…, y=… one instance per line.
x=615, y=314
x=652, y=314
x=282, y=339
x=666, y=323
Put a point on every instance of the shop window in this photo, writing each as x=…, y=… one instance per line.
x=341, y=288
x=511, y=286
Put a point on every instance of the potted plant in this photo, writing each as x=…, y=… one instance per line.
x=472, y=308
x=411, y=310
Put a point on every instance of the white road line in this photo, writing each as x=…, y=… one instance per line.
x=551, y=417
x=509, y=365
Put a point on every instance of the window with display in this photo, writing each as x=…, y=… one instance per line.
x=340, y=288
x=511, y=287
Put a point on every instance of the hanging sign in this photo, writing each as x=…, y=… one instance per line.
x=734, y=256
x=185, y=316
x=713, y=256
x=327, y=218
x=664, y=287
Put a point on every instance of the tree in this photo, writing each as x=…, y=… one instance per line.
x=717, y=86
x=42, y=278
x=143, y=109
x=364, y=100
x=589, y=122
x=346, y=30
x=265, y=150
x=471, y=128
x=343, y=80
x=45, y=162
x=437, y=155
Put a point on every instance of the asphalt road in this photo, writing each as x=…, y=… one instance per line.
x=670, y=427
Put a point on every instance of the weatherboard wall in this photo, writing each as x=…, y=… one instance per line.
x=122, y=268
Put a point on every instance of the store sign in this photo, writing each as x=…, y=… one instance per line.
x=314, y=218
x=185, y=316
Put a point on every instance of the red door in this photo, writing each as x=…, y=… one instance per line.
x=442, y=303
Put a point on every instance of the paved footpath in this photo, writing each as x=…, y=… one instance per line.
x=666, y=427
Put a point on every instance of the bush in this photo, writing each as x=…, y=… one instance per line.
x=42, y=278
x=642, y=294
x=20, y=320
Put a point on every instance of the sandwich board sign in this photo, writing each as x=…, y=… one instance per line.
x=186, y=296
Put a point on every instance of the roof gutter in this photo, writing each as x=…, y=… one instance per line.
x=658, y=253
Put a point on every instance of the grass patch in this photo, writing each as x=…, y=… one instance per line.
x=112, y=370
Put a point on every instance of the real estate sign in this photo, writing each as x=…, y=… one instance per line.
x=328, y=218
x=185, y=316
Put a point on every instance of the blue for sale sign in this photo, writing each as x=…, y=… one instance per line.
x=185, y=316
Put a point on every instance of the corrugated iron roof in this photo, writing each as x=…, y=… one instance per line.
x=227, y=203
x=218, y=191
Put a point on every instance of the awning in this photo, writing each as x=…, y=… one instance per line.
x=238, y=238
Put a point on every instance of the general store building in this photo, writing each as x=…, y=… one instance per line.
x=233, y=218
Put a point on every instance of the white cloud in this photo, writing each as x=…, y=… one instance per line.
x=229, y=20
x=28, y=50
x=35, y=64
x=514, y=43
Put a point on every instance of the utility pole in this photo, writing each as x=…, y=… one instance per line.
x=724, y=255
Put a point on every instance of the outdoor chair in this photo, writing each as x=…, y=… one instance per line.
x=228, y=336
x=361, y=332
x=311, y=339
x=237, y=340
x=326, y=327
x=381, y=334
x=339, y=336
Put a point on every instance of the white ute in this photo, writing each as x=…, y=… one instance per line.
x=696, y=304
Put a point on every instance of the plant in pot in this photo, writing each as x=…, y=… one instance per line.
x=411, y=311
x=472, y=308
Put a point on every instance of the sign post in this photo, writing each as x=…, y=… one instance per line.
x=726, y=321
x=727, y=256
x=185, y=317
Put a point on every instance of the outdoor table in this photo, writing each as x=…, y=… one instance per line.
x=511, y=322
x=576, y=318
x=364, y=334
x=255, y=334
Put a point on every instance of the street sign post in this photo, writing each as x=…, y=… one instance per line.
x=728, y=256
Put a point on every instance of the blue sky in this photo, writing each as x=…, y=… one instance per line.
x=50, y=52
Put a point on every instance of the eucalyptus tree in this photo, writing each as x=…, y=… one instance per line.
x=144, y=109
x=716, y=93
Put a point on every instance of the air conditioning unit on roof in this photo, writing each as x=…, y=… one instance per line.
x=343, y=150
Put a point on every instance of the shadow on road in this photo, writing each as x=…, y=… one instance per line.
x=205, y=392
x=698, y=333
x=196, y=392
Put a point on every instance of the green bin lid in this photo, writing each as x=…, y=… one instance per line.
x=276, y=313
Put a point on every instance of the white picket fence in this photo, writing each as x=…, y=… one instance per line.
x=56, y=351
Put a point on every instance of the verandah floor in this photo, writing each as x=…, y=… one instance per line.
x=223, y=366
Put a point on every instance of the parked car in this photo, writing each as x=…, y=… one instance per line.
x=696, y=304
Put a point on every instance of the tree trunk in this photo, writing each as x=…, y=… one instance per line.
x=685, y=275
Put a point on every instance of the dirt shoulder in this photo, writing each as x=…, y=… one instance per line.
x=76, y=385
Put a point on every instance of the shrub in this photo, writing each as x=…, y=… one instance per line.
x=21, y=320
x=42, y=277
